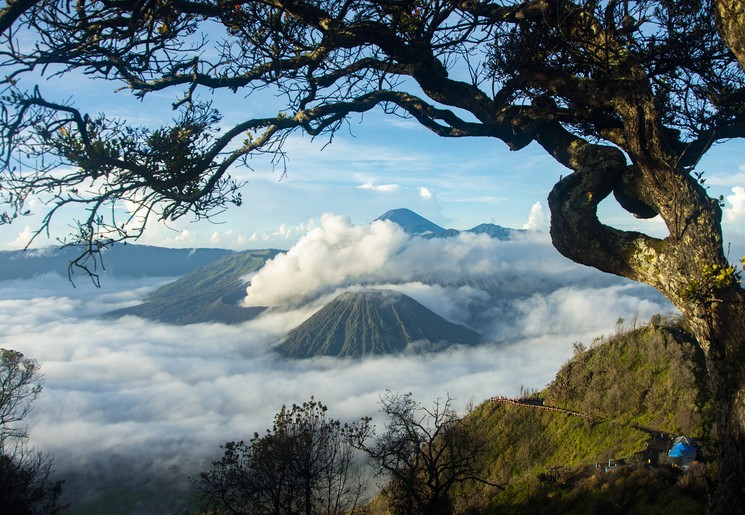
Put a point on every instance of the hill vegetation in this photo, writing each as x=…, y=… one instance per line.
x=637, y=389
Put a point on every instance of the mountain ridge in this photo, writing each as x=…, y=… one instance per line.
x=411, y=222
x=208, y=294
x=129, y=260
x=414, y=224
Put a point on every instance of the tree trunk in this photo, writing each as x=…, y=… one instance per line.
x=726, y=356
x=730, y=16
x=688, y=266
x=724, y=335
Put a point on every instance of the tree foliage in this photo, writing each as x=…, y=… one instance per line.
x=303, y=464
x=423, y=453
x=26, y=483
x=20, y=385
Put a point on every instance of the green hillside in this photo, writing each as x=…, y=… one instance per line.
x=210, y=294
x=371, y=322
x=637, y=390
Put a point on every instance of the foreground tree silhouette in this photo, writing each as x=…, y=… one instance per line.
x=304, y=464
x=628, y=95
x=424, y=452
x=26, y=486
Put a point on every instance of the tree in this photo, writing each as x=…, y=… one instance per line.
x=26, y=486
x=628, y=95
x=20, y=385
x=424, y=452
x=304, y=464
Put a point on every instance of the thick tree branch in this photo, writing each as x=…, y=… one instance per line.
x=12, y=11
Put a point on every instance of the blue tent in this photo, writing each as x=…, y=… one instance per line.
x=684, y=450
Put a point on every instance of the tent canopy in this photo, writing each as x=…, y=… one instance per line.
x=683, y=448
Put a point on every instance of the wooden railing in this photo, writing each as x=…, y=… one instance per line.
x=537, y=404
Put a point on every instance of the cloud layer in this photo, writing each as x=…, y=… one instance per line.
x=131, y=400
x=338, y=254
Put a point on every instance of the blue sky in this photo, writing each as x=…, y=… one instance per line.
x=375, y=164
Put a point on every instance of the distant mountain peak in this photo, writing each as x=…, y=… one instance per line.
x=411, y=222
x=416, y=225
x=370, y=322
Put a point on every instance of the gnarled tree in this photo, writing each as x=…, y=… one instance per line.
x=628, y=95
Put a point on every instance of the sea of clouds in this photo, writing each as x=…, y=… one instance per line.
x=142, y=405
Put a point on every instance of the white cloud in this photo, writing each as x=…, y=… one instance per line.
x=736, y=210
x=338, y=255
x=326, y=257
x=279, y=236
x=566, y=308
x=130, y=398
x=425, y=192
x=282, y=232
x=379, y=187
x=537, y=219
x=23, y=239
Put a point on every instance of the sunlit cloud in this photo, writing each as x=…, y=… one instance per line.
x=338, y=254
x=323, y=258
x=537, y=219
x=379, y=187
x=425, y=192
x=23, y=239
x=183, y=236
x=735, y=210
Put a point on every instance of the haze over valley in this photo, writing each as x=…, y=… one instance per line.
x=132, y=401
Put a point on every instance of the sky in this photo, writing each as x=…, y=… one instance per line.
x=375, y=163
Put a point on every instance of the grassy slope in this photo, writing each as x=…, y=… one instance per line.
x=647, y=381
